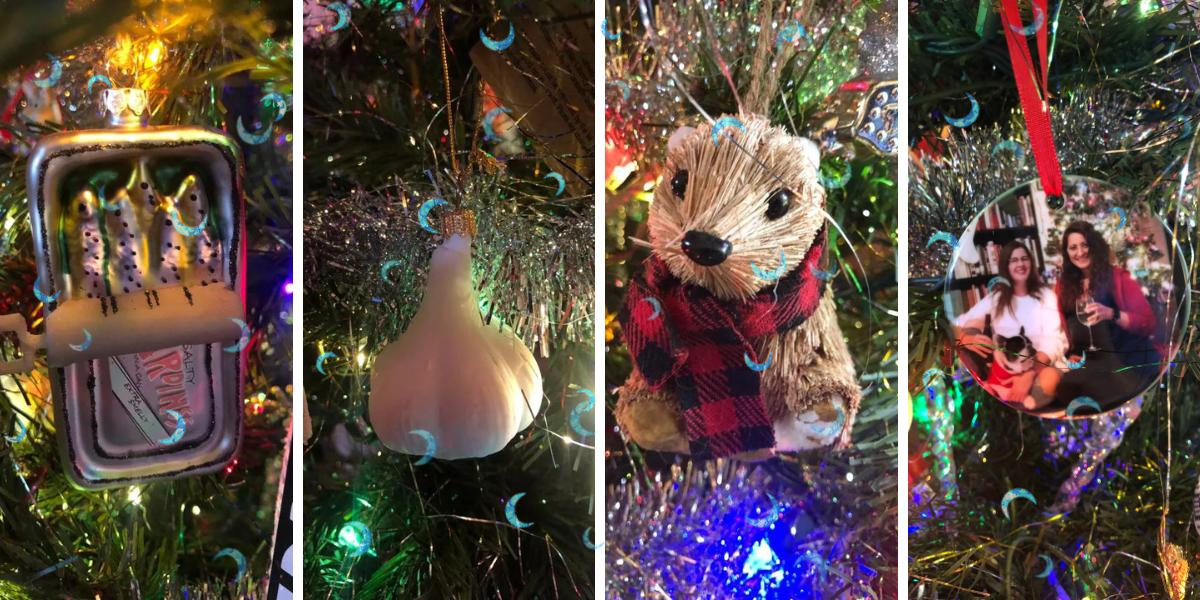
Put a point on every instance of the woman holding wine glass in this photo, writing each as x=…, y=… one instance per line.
x=1108, y=323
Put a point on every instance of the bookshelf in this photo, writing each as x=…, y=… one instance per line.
x=1001, y=223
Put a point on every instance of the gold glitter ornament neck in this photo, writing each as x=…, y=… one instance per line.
x=460, y=221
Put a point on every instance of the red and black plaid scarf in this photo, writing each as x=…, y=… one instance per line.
x=698, y=344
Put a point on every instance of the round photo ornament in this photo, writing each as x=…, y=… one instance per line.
x=1072, y=311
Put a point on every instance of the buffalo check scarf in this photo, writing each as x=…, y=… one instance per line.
x=682, y=336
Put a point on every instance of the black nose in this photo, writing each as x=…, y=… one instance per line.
x=706, y=249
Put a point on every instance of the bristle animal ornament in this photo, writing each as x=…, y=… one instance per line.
x=725, y=213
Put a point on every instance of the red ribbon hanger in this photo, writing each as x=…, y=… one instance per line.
x=1034, y=89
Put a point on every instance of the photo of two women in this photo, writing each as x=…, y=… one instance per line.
x=1067, y=311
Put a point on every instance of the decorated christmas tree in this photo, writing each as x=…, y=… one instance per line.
x=216, y=65
x=812, y=524
x=1113, y=493
x=449, y=248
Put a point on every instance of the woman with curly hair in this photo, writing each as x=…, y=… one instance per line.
x=1108, y=322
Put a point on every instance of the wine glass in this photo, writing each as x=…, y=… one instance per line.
x=1085, y=317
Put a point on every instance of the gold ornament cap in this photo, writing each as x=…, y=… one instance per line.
x=126, y=106
x=460, y=221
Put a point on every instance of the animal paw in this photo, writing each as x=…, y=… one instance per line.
x=651, y=419
x=816, y=427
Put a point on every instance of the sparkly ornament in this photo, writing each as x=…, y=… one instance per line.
x=1033, y=358
x=1106, y=432
x=470, y=385
x=941, y=412
x=157, y=299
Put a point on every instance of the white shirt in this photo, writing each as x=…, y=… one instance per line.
x=1040, y=318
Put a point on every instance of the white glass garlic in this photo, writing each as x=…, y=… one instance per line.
x=473, y=387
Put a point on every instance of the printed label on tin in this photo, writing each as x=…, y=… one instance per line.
x=135, y=402
x=151, y=383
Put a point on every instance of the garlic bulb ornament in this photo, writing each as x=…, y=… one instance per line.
x=452, y=387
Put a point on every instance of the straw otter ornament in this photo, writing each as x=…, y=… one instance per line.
x=731, y=325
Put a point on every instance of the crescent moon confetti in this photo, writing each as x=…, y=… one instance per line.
x=387, y=265
x=237, y=557
x=586, y=539
x=835, y=183
x=831, y=428
x=970, y=117
x=562, y=184
x=180, y=428
x=657, y=307
x=430, y=446
x=1039, y=19
x=87, y=342
x=510, y=511
x=998, y=280
x=1120, y=212
x=253, y=139
x=362, y=535
x=276, y=100
x=620, y=85
x=489, y=132
x=99, y=181
x=773, y=274
x=792, y=32
x=604, y=31
x=930, y=375
x=242, y=341
x=24, y=430
x=760, y=367
x=1076, y=365
x=942, y=236
x=55, y=74
x=187, y=230
x=41, y=296
x=501, y=44
x=1010, y=145
x=772, y=515
x=1082, y=402
x=343, y=13
x=98, y=79
x=822, y=274
x=423, y=213
x=1047, y=568
x=580, y=408
x=1013, y=494
x=720, y=126
x=321, y=361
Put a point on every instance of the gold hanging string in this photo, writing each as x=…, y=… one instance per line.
x=449, y=106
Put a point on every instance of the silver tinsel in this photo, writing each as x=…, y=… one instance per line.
x=533, y=269
x=727, y=529
x=689, y=42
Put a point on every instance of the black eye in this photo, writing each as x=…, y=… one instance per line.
x=778, y=203
x=679, y=184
